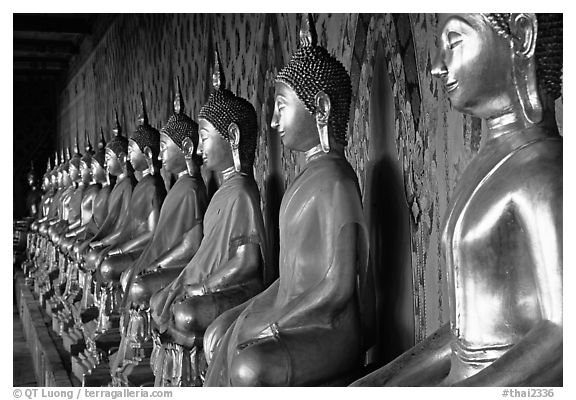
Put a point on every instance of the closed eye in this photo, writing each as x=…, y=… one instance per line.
x=454, y=39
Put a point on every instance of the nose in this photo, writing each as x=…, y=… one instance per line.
x=275, y=120
x=439, y=69
x=200, y=148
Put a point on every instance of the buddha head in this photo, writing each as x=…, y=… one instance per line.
x=179, y=138
x=228, y=127
x=74, y=162
x=54, y=172
x=312, y=97
x=31, y=176
x=116, y=153
x=99, y=160
x=144, y=144
x=46, y=178
x=86, y=161
x=494, y=64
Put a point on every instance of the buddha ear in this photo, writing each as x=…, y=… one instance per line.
x=524, y=29
x=322, y=102
x=234, y=137
x=122, y=158
x=234, y=134
x=148, y=152
x=187, y=147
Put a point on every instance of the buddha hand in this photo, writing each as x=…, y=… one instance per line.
x=194, y=290
x=271, y=331
x=95, y=245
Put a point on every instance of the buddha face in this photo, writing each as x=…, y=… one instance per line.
x=136, y=156
x=213, y=148
x=170, y=154
x=293, y=122
x=113, y=165
x=85, y=172
x=475, y=65
x=31, y=180
x=98, y=171
x=74, y=173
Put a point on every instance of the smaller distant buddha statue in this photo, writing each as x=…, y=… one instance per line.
x=34, y=195
x=502, y=231
x=110, y=214
x=176, y=238
x=118, y=165
x=95, y=201
x=310, y=327
x=32, y=237
x=118, y=251
x=147, y=198
x=231, y=265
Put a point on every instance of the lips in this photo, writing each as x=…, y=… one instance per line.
x=450, y=86
x=281, y=133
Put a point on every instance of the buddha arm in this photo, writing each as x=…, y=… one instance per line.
x=76, y=231
x=425, y=364
x=321, y=303
x=537, y=358
x=241, y=267
x=75, y=224
x=183, y=251
x=535, y=361
x=139, y=242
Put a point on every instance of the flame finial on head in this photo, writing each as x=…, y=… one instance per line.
x=308, y=35
x=102, y=142
x=218, y=78
x=118, y=128
x=143, y=117
x=179, y=99
x=56, y=160
x=66, y=156
x=76, y=145
x=87, y=144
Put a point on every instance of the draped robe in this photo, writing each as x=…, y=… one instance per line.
x=320, y=341
x=183, y=209
x=233, y=218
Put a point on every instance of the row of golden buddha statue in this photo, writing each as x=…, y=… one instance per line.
x=148, y=287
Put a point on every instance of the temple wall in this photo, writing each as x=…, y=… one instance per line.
x=406, y=144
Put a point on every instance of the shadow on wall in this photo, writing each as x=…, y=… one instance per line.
x=388, y=218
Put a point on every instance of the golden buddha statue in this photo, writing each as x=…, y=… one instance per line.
x=34, y=238
x=34, y=195
x=147, y=198
x=117, y=165
x=123, y=247
x=47, y=192
x=231, y=264
x=502, y=232
x=309, y=327
x=95, y=202
x=176, y=239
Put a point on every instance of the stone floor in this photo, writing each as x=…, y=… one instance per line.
x=23, y=367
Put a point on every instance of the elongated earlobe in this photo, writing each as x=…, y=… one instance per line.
x=524, y=30
x=234, y=134
x=322, y=114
